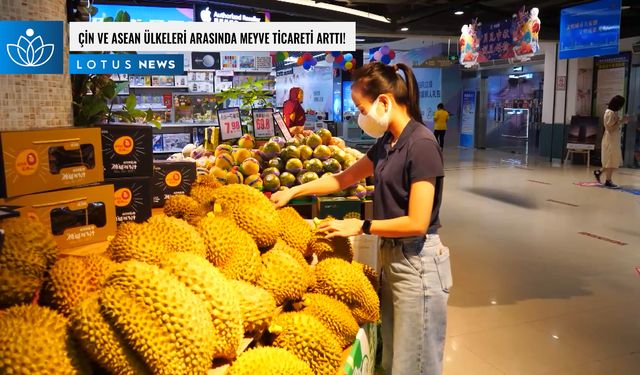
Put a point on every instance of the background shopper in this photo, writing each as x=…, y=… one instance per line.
x=440, y=119
x=407, y=164
x=611, y=148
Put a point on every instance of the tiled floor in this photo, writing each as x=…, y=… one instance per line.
x=531, y=295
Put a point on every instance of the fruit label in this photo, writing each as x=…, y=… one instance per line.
x=27, y=162
x=263, y=123
x=123, y=197
x=173, y=179
x=229, y=120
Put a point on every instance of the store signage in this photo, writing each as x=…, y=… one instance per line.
x=152, y=64
x=263, y=123
x=205, y=60
x=207, y=13
x=139, y=13
x=467, y=118
x=612, y=74
x=230, y=123
x=31, y=47
x=590, y=29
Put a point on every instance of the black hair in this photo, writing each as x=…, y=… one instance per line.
x=375, y=79
x=440, y=106
x=616, y=103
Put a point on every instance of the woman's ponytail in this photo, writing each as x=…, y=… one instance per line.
x=413, y=94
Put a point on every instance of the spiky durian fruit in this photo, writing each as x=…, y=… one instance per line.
x=295, y=254
x=283, y=277
x=336, y=247
x=151, y=241
x=36, y=340
x=307, y=338
x=208, y=283
x=296, y=232
x=167, y=325
x=27, y=252
x=269, y=361
x=204, y=195
x=333, y=314
x=258, y=307
x=101, y=342
x=230, y=249
x=184, y=207
x=72, y=279
x=370, y=273
x=251, y=211
x=347, y=283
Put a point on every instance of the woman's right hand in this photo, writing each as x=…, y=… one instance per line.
x=282, y=197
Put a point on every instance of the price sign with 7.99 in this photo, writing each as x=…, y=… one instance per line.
x=230, y=124
x=263, y=123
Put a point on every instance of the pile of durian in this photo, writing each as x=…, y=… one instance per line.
x=179, y=293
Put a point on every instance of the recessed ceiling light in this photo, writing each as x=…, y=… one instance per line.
x=625, y=7
x=338, y=8
x=404, y=29
x=458, y=13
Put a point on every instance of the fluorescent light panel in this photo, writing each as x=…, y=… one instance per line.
x=338, y=8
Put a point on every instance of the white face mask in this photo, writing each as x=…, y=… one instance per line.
x=373, y=125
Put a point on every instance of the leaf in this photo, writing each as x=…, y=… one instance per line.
x=149, y=115
x=156, y=123
x=121, y=86
x=109, y=91
x=93, y=10
x=107, y=19
x=135, y=113
x=130, y=103
x=123, y=16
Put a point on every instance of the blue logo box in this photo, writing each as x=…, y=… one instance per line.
x=31, y=47
x=157, y=64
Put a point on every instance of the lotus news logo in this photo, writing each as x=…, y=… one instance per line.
x=30, y=52
x=31, y=47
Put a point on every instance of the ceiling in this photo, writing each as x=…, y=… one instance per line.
x=421, y=17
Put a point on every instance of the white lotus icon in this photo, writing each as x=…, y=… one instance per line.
x=30, y=52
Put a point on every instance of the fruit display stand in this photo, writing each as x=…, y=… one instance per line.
x=361, y=359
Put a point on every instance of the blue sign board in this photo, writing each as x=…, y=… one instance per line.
x=154, y=64
x=144, y=13
x=591, y=29
x=31, y=47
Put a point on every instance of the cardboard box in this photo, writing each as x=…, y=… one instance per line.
x=171, y=178
x=76, y=216
x=339, y=208
x=127, y=150
x=42, y=160
x=362, y=357
x=132, y=198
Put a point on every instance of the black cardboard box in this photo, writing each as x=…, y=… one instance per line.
x=171, y=178
x=132, y=198
x=339, y=208
x=127, y=150
x=35, y=161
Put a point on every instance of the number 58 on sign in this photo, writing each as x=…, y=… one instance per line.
x=263, y=123
x=230, y=124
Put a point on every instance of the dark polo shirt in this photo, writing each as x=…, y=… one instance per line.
x=415, y=157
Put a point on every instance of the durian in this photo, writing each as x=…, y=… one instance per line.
x=370, y=273
x=251, y=211
x=269, y=361
x=184, y=207
x=27, y=253
x=336, y=247
x=347, y=283
x=222, y=302
x=167, y=325
x=283, y=277
x=296, y=232
x=333, y=314
x=204, y=195
x=36, y=340
x=151, y=241
x=295, y=254
x=230, y=249
x=307, y=338
x=258, y=307
x=101, y=342
x=72, y=279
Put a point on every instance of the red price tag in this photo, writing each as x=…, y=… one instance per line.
x=230, y=125
x=263, y=123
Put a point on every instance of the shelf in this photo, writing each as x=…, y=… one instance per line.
x=157, y=87
x=119, y=107
x=186, y=125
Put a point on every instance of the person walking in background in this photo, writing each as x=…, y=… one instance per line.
x=611, y=149
x=440, y=119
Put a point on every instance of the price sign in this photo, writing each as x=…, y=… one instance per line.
x=263, y=123
x=230, y=124
x=282, y=126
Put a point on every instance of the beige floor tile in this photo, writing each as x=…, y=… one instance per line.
x=622, y=365
x=460, y=361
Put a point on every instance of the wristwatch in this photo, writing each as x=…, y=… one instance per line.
x=366, y=227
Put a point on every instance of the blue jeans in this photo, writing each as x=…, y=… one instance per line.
x=416, y=279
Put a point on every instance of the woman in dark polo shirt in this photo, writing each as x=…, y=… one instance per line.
x=406, y=163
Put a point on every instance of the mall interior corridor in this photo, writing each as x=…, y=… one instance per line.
x=546, y=272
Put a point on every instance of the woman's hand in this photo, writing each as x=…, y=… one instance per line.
x=341, y=228
x=282, y=197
